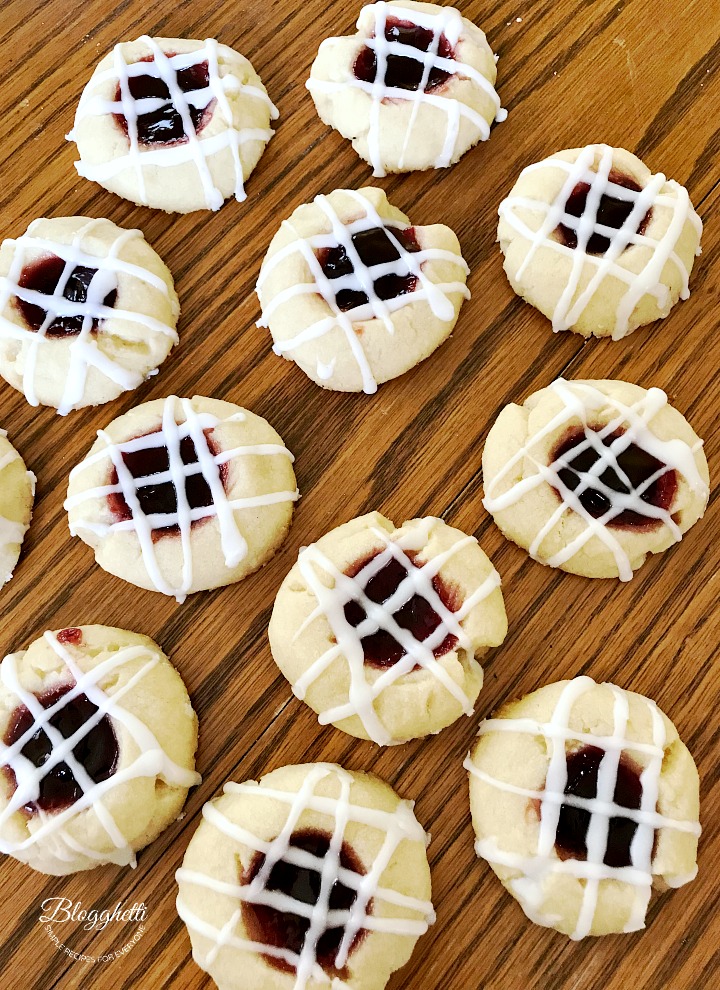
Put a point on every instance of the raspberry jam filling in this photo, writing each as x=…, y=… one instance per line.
x=161, y=497
x=43, y=276
x=286, y=930
x=583, y=766
x=401, y=71
x=164, y=124
x=624, y=473
x=416, y=615
x=374, y=247
x=611, y=212
x=97, y=751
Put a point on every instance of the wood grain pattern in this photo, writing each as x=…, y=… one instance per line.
x=634, y=73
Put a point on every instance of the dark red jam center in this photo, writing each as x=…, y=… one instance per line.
x=96, y=751
x=374, y=247
x=417, y=615
x=165, y=125
x=634, y=464
x=403, y=71
x=43, y=276
x=73, y=636
x=573, y=824
x=161, y=497
x=611, y=212
x=285, y=930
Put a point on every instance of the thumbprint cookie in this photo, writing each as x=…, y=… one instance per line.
x=17, y=494
x=596, y=242
x=310, y=878
x=584, y=800
x=379, y=629
x=592, y=476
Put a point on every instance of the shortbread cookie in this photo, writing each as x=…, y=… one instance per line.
x=379, y=629
x=87, y=310
x=97, y=748
x=354, y=294
x=598, y=243
x=310, y=877
x=17, y=493
x=413, y=89
x=181, y=495
x=592, y=476
x=174, y=124
x=583, y=800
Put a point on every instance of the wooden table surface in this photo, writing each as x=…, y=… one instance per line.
x=640, y=74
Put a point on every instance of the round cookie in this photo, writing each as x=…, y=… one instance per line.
x=413, y=89
x=115, y=697
x=17, y=493
x=88, y=310
x=311, y=876
x=592, y=476
x=182, y=495
x=174, y=124
x=583, y=800
x=598, y=243
x=379, y=629
x=354, y=294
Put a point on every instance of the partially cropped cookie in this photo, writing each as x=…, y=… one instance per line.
x=17, y=494
x=598, y=243
x=88, y=310
x=174, y=124
x=584, y=800
x=97, y=748
x=310, y=877
x=182, y=495
x=354, y=294
x=379, y=629
x=592, y=476
x=413, y=89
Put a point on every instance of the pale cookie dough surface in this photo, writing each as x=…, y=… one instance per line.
x=216, y=127
x=524, y=803
x=410, y=107
x=248, y=930
x=146, y=713
x=17, y=494
x=342, y=330
x=587, y=508
x=379, y=629
x=70, y=344
x=607, y=280
x=182, y=495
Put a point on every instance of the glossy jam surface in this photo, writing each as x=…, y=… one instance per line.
x=283, y=929
x=70, y=636
x=374, y=247
x=611, y=212
x=582, y=778
x=417, y=615
x=96, y=751
x=161, y=497
x=43, y=276
x=402, y=71
x=635, y=466
x=164, y=124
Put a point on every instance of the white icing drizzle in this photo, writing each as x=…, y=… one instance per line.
x=50, y=829
x=539, y=868
x=84, y=351
x=448, y=22
x=170, y=436
x=362, y=278
x=569, y=309
x=364, y=690
x=197, y=149
x=12, y=533
x=580, y=401
x=398, y=826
